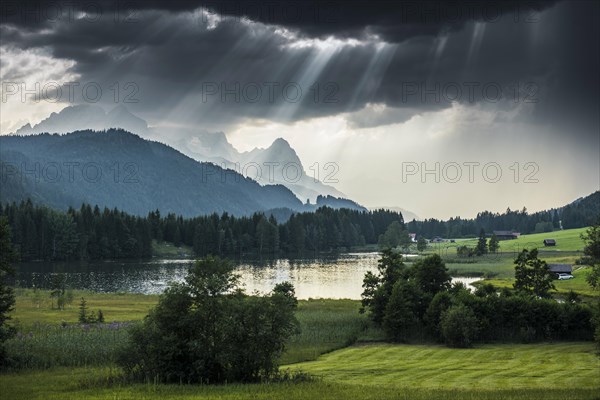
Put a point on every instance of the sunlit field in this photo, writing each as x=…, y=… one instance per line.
x=524, y=372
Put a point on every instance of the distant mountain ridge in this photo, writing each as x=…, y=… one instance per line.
x=276, y=164
x=115, y=168
x=83, y=117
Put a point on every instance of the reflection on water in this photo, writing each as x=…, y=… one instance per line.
x=329, y=277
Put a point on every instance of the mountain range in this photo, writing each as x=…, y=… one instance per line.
x=276, y=164
x=115, y=168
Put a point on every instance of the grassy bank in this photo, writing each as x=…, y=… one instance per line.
x=493, y=372
x=168, y=250
x=34, y=307
x=498, y=269
x=75, y=361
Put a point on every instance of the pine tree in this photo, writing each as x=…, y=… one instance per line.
x=421, y=244
x=481, y=247
x=494, y=244
x=83, y=317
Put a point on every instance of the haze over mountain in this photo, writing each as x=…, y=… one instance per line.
x=119, y=169
x=276, y=164
x=86, y=116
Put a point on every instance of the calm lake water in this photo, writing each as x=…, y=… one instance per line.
x=328, y=277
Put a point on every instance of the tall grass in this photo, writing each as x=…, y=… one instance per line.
x=47, y=346
x=327, y=325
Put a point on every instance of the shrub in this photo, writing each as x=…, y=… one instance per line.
x=440, y=303
x=459, y=326
x=402, y=317
x=206, y=330
x=86, y=317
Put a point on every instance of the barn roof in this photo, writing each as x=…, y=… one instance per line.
x=560, y=267
x=506, y=233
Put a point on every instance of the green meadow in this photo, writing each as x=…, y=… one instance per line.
x=342, y=354
x=338, y=351
x=568, y=240
x=498, y=269
x=578, y=284
x=377, y=371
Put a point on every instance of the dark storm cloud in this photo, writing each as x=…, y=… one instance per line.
x=392, y=20
x=181, y=68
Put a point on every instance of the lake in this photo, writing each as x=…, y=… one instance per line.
x=324, y=277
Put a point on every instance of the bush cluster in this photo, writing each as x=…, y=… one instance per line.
x=207, y=330
x=417, y=302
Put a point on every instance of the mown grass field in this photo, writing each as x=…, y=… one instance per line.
x=75, y=363
x=378, y=371
x=327, y=325
x=487, y=367
x=566, y=240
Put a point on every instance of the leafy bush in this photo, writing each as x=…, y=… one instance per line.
x=402, y=315
x=459, y=326
x=433, y=316
x=404, y=300
x=206, y=330
x=532, y=274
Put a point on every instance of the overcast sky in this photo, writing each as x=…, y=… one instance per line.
x=382, y=89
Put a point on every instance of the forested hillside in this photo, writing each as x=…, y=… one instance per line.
x=119, y=169
x=578, y=214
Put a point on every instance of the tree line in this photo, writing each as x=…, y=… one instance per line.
x=89, y=233
x=41, y=233
x=578, y=214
